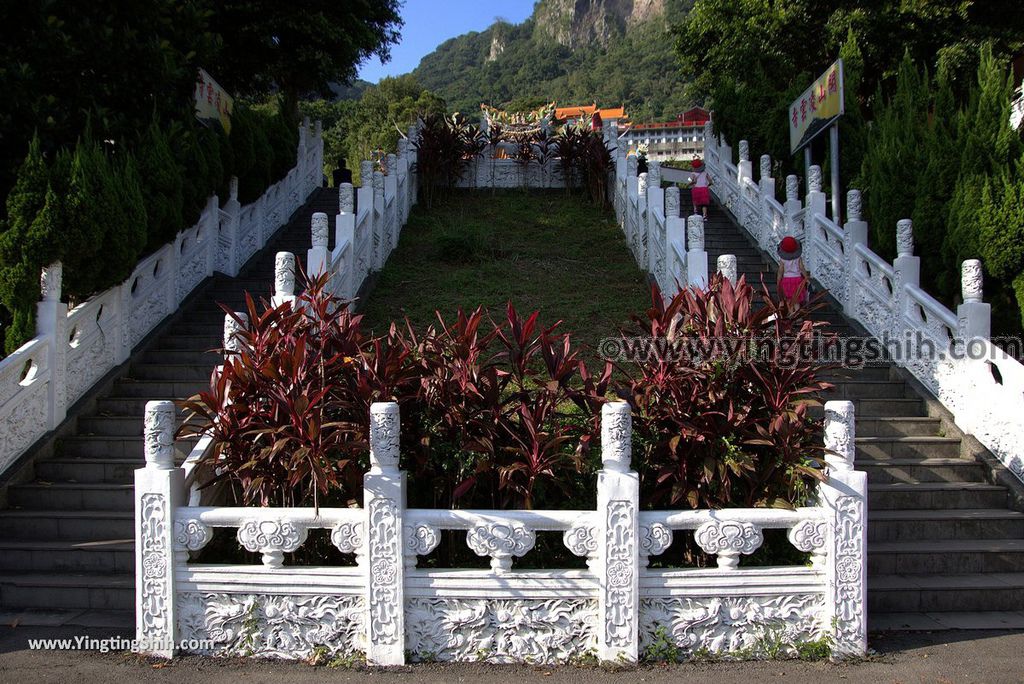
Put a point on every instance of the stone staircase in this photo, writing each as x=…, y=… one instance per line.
x=67, y=537
x=945, y=540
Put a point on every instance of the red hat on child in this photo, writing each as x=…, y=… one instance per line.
x=789, y=248
x=696, y=164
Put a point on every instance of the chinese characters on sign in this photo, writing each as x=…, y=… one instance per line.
x=816, y=108
x=213, y=104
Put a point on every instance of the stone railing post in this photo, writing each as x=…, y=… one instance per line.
x=640, y=229
x=159, y=488
x=907, y=268
x=855, y=232
x=696, y=256
x=284, y=279
x=815, y=197
x=232, y=327
x=744, y=169
x=618, y=559
x=413, y=137
x=345, y=231
x=52, y=324
x=727, y=267
x=675, y=232
x=655, y=200
x=844, y=494
x=621, y=171
x=708, y=140
x=391, y=193
x=384, y=504
x=380, y=252
x=233, y=209
x=766, y=182
x=318, y=257
x=974, y=317
x=403, y=174
x=792, y=207
x=211, y=228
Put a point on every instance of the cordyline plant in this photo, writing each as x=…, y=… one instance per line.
x=444, y=150
x=500, y=411
x=287, y=411
x=728, y=426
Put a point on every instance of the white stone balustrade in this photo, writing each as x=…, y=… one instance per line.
x=984, y=389
x=385, y=606
x=74, y=349
x=364, y=238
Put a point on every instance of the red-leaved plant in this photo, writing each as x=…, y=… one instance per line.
x=729, y=424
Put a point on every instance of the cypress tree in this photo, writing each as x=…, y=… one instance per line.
x=989, y=147
x=125, y=236
x=852, y=131
x=81, y=226
x=895, y=156
x=19, y=262
x=935, y=186
x=161, y=187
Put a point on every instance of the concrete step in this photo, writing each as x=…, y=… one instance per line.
x=935, y=495
x=876, y=372
x=127, y=425
x=122, y=406
x=72, y=496
x=945, y=557
x=937, y=621
x=935, y=593
x=879, y=448
x=111, y=447
x=62, y=524
x=96, y=470
x=158, y=389
x=107, y=556
x=869, y=389
x=191, y=357
x=922, y=470
x=897, y=426
x=187, y=343
x=964, y=523
x=96, y=591
x=883, y=407
x=186, y=327
x=171, y=371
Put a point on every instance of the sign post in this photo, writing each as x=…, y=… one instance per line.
x=818, y=108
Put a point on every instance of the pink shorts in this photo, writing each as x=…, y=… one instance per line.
x=701, y=197
x=793, y=285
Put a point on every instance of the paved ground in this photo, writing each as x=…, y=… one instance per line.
x=983, y=657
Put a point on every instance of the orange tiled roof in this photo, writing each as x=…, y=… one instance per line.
x=573, y=112
x=613, y=113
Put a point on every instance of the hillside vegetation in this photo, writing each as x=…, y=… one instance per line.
x=612, y=54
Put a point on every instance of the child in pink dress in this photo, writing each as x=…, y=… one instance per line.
x=701, y=188
x=793, y=277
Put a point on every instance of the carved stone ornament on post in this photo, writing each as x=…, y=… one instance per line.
x=319, y=229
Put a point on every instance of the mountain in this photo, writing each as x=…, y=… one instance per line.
x=612, y=52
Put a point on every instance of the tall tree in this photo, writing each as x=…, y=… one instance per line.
x=299, y=48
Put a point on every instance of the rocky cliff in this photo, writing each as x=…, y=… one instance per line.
x=573, y=23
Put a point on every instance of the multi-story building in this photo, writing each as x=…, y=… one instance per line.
x=681, y=138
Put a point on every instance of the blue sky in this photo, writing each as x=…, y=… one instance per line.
x=428, y=23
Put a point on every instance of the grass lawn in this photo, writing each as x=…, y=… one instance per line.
x=543, y=251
